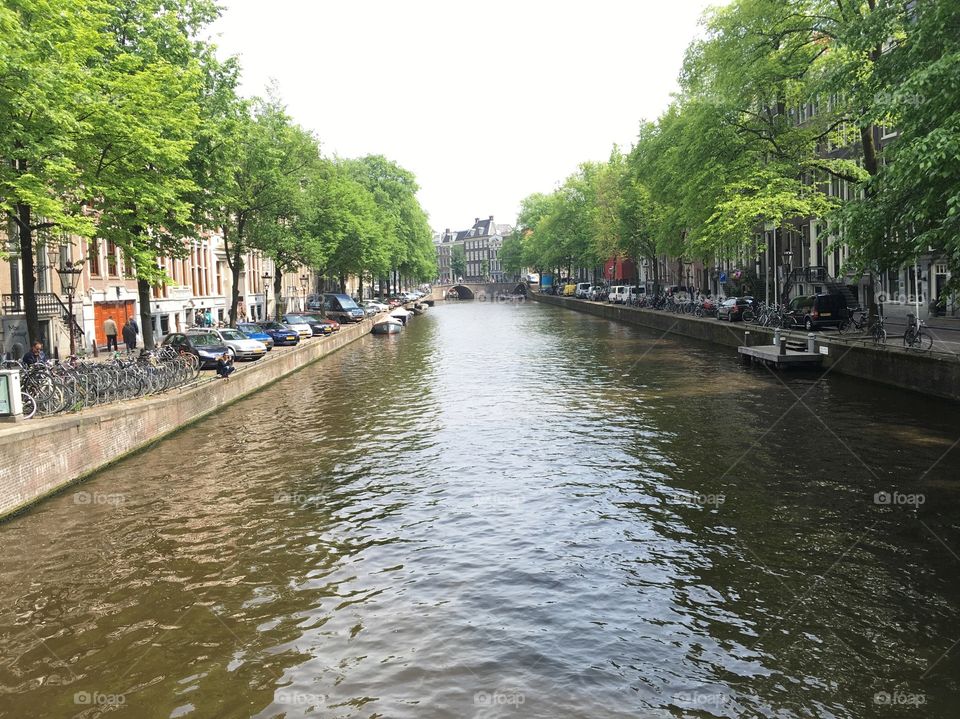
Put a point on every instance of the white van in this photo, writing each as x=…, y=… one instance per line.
x=633, y=294
x=583, y=290
x=617, y=294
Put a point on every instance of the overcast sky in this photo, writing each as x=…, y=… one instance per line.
x=484, y=102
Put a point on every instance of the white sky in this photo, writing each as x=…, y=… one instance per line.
x=485, y=102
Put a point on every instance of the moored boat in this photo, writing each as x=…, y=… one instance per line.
x=387, y=326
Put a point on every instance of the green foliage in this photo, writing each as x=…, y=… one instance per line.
x=458, y=262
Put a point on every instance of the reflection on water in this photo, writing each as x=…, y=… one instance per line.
x=507, y=510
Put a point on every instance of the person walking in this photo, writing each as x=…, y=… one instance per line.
x=130, y=335
x=110, y=330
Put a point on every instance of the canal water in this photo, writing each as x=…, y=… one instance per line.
x=508, y=510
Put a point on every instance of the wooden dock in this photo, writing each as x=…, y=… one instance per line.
x=770, y=356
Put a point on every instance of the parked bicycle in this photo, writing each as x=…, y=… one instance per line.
x=914, y=337
x=851, y=324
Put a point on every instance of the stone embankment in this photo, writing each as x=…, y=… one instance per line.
x=930, y=373
x=42, y=456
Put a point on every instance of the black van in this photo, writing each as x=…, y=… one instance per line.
x=815, y=311
x=342, y=308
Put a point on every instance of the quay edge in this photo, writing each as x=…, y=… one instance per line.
x=39, y=458
x=924, y=372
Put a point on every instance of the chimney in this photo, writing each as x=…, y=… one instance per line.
x=476, y=220
x=446, y=231
x=491, y=218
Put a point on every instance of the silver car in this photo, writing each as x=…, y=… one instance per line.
x=237, y=343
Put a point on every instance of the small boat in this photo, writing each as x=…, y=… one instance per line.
x=387, y=326
x=401, y=314
x=419, y=309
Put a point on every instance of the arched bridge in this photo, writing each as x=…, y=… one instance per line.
x=477, y=290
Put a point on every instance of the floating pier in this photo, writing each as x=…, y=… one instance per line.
x=771, y=356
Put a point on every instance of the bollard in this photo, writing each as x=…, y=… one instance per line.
x=811, y=343
x=776, y=336
x=746, y=338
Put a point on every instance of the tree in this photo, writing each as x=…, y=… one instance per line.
x=911, y=205
x=458, y=262
x=511, y=253
x=134, y=157
x=44, y=109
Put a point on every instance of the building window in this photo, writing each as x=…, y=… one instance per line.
x=93, y=251
x=111, y=259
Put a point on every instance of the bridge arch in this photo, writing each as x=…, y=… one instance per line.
x=462, y=292
x=520, y=289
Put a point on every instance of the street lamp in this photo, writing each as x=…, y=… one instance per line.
x=787, y=255
x=266, y=281
x=69, y=276
x=304, y=283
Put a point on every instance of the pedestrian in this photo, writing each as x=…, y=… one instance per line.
x=35, y=355
x=209, y=318
x=110, y=330
x=225, y=365
x=130, y=335
x=198, y=318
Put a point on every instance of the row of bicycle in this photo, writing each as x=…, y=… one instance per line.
x=52, y=387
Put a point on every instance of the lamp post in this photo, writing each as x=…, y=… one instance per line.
x=266, y=281
x=69, y=276
x=787, y=256
x=304, y=283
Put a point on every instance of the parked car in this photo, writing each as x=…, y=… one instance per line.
x=297, y=323
x=633, y=294
x=280, y=334
x=617, y=294
x=378, y=306
x=328, y=324
x=583, y=290
x=732, y=308
x=238, y=344
x=597, y=293
x=815, y=311
x=255, y=332
x=317, y=328
x=204, y=345
x=342, y=308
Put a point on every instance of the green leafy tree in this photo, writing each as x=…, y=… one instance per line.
x=458, y=262
x=44, y=110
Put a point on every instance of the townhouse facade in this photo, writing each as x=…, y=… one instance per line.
x=480, y=244
x=199, y=285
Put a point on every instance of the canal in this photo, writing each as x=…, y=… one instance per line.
x=506, y=510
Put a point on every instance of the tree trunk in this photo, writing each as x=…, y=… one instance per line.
x=277, y=286
x=28, y=269
x=360, y=287
x=871, y=165
x=146, y=319
x=343, y=284
x=235, y=268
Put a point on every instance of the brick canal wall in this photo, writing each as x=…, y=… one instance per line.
x=929, y=373
x=39, y=457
